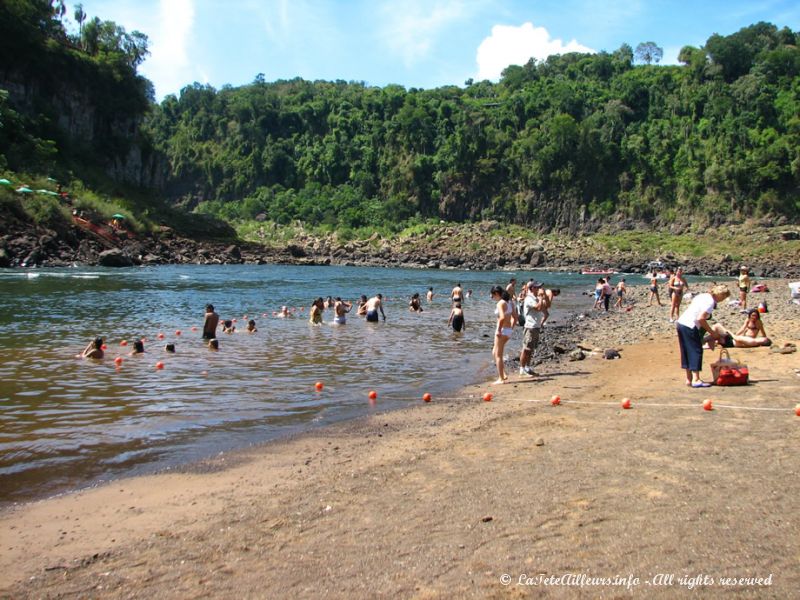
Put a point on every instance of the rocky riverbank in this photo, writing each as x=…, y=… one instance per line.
x=769, y=251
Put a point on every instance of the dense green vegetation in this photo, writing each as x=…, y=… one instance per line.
x=572, y=142
x=88, y=79
x=553, y=144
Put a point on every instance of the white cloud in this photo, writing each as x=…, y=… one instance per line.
x=168, y=65
x=509, y=45
x=411, y=28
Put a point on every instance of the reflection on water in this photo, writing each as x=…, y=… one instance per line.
x=65, y=421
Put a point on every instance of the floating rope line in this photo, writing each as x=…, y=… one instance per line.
x=661, y=405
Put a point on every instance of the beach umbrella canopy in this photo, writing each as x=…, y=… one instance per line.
x=117, y=216
x=5, y=182
x=24, y=190
x=46, y=193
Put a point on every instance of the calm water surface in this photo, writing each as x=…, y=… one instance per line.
x=67, y=422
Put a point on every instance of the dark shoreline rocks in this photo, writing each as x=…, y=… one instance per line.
x=467, y=247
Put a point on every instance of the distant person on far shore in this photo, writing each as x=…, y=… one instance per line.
x=532, y=305
x=429, y=295
x=691, y=324
x=315, y=314
x=456, y=320
x=654, y=289
x=415, y=305
x=94, y=349
x=744, y=286
x=457, y=295
x=340, y=310
x=678, y=286
x=374, y=305
x=210, y=323
x=621, y=290
x=502, y=331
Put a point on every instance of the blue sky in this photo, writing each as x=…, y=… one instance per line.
x=414, y=43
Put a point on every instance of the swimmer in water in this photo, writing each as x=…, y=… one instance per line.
x=456, y=320
x=362, y=306
x=284, y=312
x=251, y=326
x=210, y=323
x=170, y=348
x=213, y=344
x=429, y=295
x=374, y=305
x=315, y=314
x=340, y=310
x=138, y=348
x=94, y=349
x=228, y=326
x=414, y=305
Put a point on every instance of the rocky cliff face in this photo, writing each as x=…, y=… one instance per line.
x=74, y=113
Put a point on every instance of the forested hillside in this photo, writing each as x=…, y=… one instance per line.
x=566, y=143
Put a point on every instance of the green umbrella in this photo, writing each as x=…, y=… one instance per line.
x=24, y=190
x=117, y=216
x=46, y=193
x=5, y=182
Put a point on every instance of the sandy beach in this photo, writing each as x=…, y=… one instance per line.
x=465, y=498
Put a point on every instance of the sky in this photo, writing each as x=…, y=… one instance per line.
x=413, y=43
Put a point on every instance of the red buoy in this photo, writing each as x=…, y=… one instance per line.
x=487, y=397
x=159, y=365
x=118, y=361
x=319, y=385
x=626, y=403
x=427, y=397
x=708, y=405
x=555, y=400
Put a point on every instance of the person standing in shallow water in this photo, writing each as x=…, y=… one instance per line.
x=374, y=305
x=210, y=323
x=456, y=320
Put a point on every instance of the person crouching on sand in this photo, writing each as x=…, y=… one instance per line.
x=690, y=327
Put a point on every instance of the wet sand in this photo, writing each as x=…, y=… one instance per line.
x=446, y=499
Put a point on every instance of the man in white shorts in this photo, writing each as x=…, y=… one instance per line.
x=531, y=308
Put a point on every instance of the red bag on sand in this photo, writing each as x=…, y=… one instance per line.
x=733, y=376
x=729, y=371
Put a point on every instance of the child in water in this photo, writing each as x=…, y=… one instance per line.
x=456, y=320
x=228, y=326
x=251, y=326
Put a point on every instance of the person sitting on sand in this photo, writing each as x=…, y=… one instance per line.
x=340, y=310
x=213, y=345
x=456, y=320
x=315, y=314
x=726, y=339
x=251, y=326
x=94, y=349
x=414, y=305
x=210, y=323
x=228, y=326
x=374, y=305
x=138, y=348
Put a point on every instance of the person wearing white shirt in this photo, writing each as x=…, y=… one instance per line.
x=531, y=307
x=690, y=326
